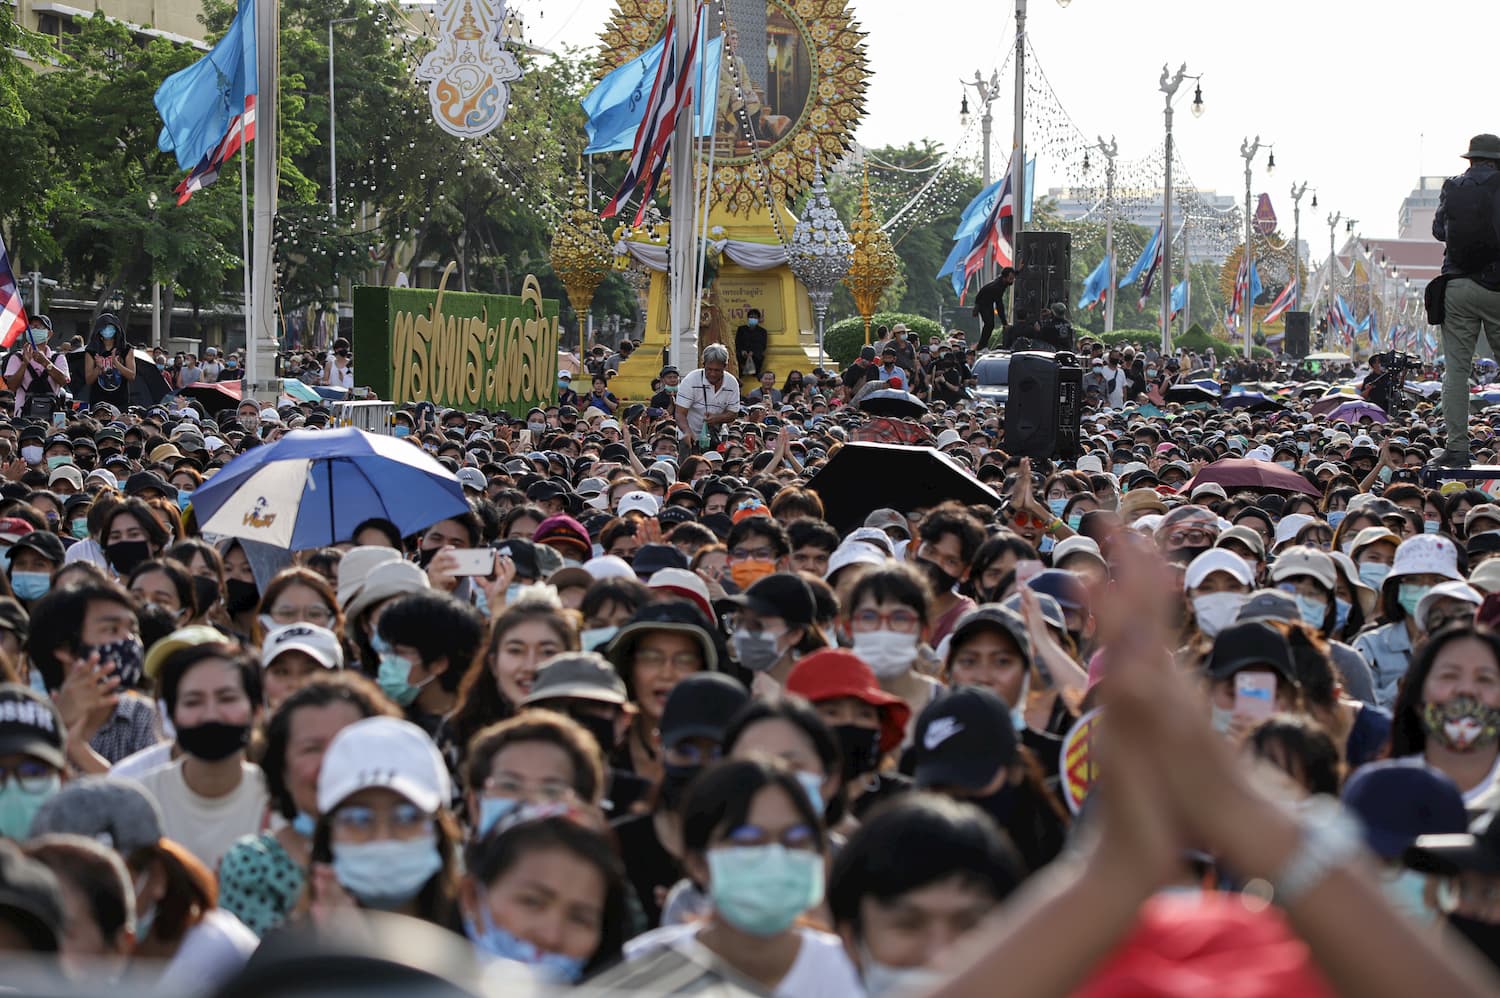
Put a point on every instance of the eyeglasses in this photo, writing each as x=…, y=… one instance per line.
x=1022, y=518
x=319, y=615
x=752, y=554
x=901, y=621
x=359, y=821
x=1191, y=537
x=33, y=775
x=795, y=837
x=684, y=662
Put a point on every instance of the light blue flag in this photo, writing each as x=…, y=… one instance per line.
x=1255, y=286
x=615, y=107
x=1179, y=297
x=953, y=266
x=1147, y=255
x=970, y=222
x=1030, y=182
x=1095, y=286
x=198, y=103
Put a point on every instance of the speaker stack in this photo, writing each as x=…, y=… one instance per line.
x=1298, y=334
x=1043, y=414
x=1044, y=274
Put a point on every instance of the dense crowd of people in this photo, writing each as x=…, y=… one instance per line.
x=684, y=727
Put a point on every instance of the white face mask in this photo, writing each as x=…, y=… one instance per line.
x=887, y=653
x=1216, y=611
x=883, y=981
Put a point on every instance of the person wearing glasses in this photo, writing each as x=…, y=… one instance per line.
x=1186, y=532
x=887, y=616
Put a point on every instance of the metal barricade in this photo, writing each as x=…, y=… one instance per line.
x=374, y=417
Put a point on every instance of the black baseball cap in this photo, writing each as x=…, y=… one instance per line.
x=1248, y=646
x=991, y=617
x=652, y=558
x=30, y=725
x=31, y=900
x=43, y=542
x=1398, y=803
x=963, y=738
x=701, y=706
x=781, y=594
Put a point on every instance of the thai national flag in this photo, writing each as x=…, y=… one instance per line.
x=13, y=319
x=208, y=109
x=994, y=237
x=1150, y=275
x=1282, y=303
x=670, y=96
x=241, y=130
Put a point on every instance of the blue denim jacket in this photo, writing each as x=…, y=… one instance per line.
x=1388, y=650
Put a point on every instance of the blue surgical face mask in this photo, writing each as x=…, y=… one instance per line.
x=491, y=811
x=386, y=873
x=812, y=785
x=304, y=824
x=762, y=889
x=108, y=332
x=594, y=638
x=1057, y=506
x=552, y=968
x=401, y=430
x=1373, y=573
x=1431, y=526
x=1341, y=613
x=30, y=585
x=1312, y=610
x=1075, y=521
x=752, y=322
x=184, y=496
x=1336, y=517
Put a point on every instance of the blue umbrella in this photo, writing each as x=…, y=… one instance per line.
x=311, y=488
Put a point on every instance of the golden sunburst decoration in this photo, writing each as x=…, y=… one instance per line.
x=791, y=87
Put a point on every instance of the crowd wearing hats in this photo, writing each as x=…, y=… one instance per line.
x=689, y=727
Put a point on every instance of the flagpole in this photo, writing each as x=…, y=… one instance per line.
x=684, y=202
x=245, y=237
x=1018, y=190
x=260, y=337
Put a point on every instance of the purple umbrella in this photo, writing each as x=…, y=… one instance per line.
x=1353, y=412
x=1248, y=473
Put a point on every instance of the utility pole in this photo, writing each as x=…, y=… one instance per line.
x=1110, y=149
x=1248, y=149
x=1297, y=192
x=1018, y=154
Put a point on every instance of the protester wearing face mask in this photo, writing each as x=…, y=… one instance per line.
x=1217, y=583
x=756, y=843
x=84, y=645
x=758, y=546
x=262, y=876
x=34, y=558
x=385, y=838
x=35, y=371
x=948, y=538
x=548, y=893
x=1420, y=563
x=1397, y=804
x=965, y=747
x=1186, y=532
x=108, y=363
x=1261, y=651
x=899, y=909
x=211, y=795
x=33, y=757
x=1447, y=604
x=692, y=731
x=774, y=627
x=536, y=759
x=1447, y=715
x=241, y=588
x=868, y=722
x=886, y=617
x=788, y=728
x=426, y=642
x=98, y=938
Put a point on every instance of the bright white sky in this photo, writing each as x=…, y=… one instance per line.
x=1359, y=99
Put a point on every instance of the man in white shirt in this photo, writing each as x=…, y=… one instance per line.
x=211, y=368
x=708, y=396
x=1114, y=381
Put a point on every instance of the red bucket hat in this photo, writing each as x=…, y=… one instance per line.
x=834, y=673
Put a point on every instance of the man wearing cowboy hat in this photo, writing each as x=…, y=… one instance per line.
x=1468, y=223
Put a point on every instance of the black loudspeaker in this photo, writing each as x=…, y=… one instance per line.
x=1043, y=411
x=1044, y=274
x=1298, y=334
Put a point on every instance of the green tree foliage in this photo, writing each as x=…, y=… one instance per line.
x=843, y=340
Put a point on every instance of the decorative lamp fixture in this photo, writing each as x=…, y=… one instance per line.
x=1198, y=107
x=875, y=264
x=820, y=253
x=580, y=255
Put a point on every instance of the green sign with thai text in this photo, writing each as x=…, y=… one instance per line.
x=455, y=349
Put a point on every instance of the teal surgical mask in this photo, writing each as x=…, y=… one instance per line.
x=1075, y=521
x=762, y=889
x=58, y=460
x=1409, y=595
x=1057, y=506
x=394, y=679
x=79, y=527
x=1221, y=719
x=1406, y=892
x=19, y=805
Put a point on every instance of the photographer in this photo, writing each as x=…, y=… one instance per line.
x=108, y=364
x=36, y=373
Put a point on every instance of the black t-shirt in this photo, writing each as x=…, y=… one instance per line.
x=650, y=869
x=887, y=786
x=750, y=339
x=991, y=299
x=857, y=374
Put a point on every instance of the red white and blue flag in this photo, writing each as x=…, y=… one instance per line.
x=1150, y=276
x=241, y=130
x=995, y=236
x=670, y=96
x=13, y=319
x=1282, y=303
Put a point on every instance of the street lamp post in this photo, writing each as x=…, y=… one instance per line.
x=987, y=91
x=333, y=163
x=1018, y=154
x=1297, y=192
x=1168, y=86
x=1248, y=149
x=1110, y=149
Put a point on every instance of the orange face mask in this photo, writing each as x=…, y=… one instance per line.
x=746, y=573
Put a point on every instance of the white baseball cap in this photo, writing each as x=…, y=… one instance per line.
x=686, y=584
x=852, y=553
x=609, y=566
x=383, y=752
x=1309, y=561
x=318, y=642
x=1076, y=545
x=1447, y=590
x=638, y=502
x=1216, y=560
x=1287, y=527
x=1426, y=554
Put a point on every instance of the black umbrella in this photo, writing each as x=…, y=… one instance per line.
x=892, y=402
x=214, y=396
x=1188, y=394
x=862, y=478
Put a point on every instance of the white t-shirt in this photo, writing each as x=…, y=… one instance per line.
x=211, y=952
x=702, y=399
x=88, y=550
x=207, y=826
x=821, y=970
x=1490, y=782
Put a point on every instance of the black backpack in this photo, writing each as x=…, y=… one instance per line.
x=1469, y=211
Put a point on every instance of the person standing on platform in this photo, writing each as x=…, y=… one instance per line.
x=989, y=301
